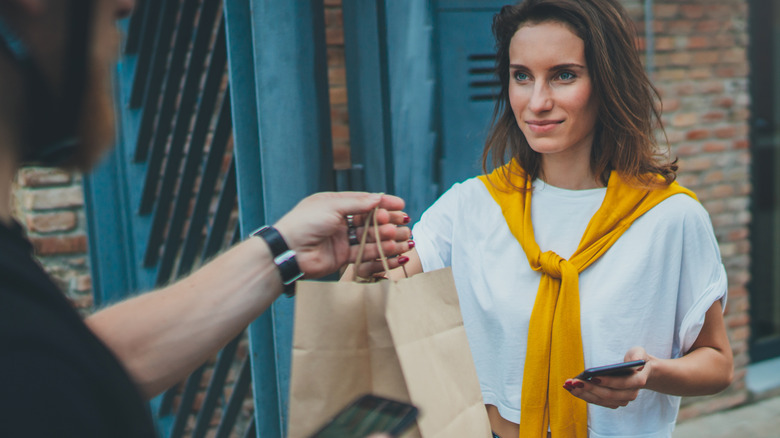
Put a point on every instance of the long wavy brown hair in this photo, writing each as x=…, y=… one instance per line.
x=624, y=140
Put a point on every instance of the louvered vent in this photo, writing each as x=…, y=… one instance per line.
x=483, y=84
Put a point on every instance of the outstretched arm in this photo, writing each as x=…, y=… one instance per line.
x=161, y=337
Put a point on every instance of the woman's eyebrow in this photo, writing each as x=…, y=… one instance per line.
x=555, y=67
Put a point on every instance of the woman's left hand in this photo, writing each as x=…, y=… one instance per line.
x=613, y=391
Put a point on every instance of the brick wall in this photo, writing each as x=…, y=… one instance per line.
x=701, y=70
x=49, y=204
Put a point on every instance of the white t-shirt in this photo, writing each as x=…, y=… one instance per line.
x=650, y=289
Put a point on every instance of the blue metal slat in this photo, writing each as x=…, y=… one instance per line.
x=179, y=66
x=225, y=206
x=154, y=80
x=215, y=387
x=135, y=28
x=149, y=22
x=150, y=28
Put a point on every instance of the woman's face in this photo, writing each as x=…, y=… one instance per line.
x=550, y=90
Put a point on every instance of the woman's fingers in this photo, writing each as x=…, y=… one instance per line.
x=601, y=395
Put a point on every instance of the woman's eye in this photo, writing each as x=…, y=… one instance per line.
x=520, y=76
x=566, y=76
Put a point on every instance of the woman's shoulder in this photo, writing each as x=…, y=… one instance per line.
x=680, y=211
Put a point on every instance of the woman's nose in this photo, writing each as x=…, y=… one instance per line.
x=541, y=99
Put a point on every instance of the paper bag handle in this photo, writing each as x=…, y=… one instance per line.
x=371, y=218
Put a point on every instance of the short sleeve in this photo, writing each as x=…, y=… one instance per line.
x=702, y=278
x=433, y=233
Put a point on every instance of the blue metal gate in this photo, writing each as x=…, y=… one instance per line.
x=224, y=125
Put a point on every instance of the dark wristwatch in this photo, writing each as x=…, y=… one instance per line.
x=284, y=257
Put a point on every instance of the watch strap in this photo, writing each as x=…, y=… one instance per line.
x=284, y=257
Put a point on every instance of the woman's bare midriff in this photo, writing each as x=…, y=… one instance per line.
x=500, y=425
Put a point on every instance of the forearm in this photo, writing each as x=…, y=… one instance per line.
x=162, y=336
x=703, y=371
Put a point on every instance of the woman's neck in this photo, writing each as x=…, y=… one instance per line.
x=569, y=174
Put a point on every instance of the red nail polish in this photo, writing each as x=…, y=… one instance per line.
x=411, y=244
x=407, y=219
x=566, y=387
x=402, y=260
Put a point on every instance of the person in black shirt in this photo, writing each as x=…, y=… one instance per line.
x=61, y=376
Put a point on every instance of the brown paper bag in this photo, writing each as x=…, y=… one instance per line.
x=403, y=340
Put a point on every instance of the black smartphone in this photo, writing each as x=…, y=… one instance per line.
x=617, y=369
x=367, y=415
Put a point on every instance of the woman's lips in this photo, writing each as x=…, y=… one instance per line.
x=542, y=126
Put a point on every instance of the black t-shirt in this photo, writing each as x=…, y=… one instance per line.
x=56, y=378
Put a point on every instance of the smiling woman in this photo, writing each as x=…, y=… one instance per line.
x=579, y=250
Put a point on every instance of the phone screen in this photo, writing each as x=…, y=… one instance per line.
x=369, y=414
x=618, y=369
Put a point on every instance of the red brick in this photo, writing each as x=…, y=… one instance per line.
x=340, y=131
x=685, y=119
x=700, y=73
x=724, y=102
x=338, y=95
x=696, y=163
x=40, y=177
x=681, y=58
x=51, y=222
x=707, y=26
x=713, y=116
x=706, y=57
x=726, y=132
x=334, y=36
x=712, y=87
x=714, y=146
x=697, y=134
x=59, y=244
x=48, y=199
x=692, y=11
x=665, y=10
x=679, y=27
x=335, y=56
x=664, y=44
x=337, y=76
x=333, y=17
x=699, y=42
